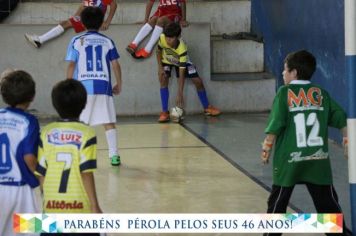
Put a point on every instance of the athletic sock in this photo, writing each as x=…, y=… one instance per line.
x=203, y=98
x=164, y=98
x=111, y=138
x=52, y=33
x=157, y=31
x=144, y=31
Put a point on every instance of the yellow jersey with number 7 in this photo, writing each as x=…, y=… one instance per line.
x=66, y=150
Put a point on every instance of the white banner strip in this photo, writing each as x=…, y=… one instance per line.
x=178, y=223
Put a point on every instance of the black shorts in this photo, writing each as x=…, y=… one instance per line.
x=190, y=70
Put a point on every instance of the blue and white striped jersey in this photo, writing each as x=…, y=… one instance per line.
x=19, y=135
x=93, y=52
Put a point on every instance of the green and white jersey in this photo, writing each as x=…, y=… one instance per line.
x=300, y=116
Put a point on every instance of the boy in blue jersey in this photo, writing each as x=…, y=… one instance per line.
x=90, y=57
x=67, y=156
x=19, y=135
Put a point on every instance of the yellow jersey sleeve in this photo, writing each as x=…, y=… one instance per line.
x=41, y=159
x=160, y=42
x=88, y=152
x=182, y=51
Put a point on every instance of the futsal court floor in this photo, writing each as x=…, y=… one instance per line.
x=204, y=165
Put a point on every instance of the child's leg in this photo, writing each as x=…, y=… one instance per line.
x=278, y=201
x=55, y=32
x=145, y=30
x=197, y=81
x=326, y=201
x=209, y=110
x=157, y=31
x=164, y=92
x=111, y=138
x=279, y=198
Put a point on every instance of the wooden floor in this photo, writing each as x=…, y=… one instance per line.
x=166, y=169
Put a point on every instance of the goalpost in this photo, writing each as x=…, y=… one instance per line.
x=350, y=55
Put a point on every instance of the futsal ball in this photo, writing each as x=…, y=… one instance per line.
x=177, y=114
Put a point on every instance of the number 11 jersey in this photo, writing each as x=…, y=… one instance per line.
x=92, y=53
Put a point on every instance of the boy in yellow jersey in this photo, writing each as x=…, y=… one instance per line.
x=172, y=53
x=67, y=155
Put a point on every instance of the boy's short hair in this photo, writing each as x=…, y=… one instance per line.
x=303, y=62
x=92, y=18
x=17, y=87
x=69, y=98
x=172, y=30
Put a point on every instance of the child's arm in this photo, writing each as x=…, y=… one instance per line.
x=70, y=70
x=89, y=185
x=345, y=141
x=159, y=62
x=31, y=162
x=179, y=100
x=184, y=22
x=117, y=71
x=41, y=179
x=107, y=22
x=267, y=147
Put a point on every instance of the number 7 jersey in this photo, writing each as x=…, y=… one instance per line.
x=66, y=150
x=300, y=116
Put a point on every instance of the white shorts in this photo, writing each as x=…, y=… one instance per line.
x=15, y=199
x=99, y=110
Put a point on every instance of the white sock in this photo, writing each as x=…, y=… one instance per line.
x=52, y=33
x=111, y=138
x=144, y=31
x=154, y=38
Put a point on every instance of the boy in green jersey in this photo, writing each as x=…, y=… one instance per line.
x=298, y=126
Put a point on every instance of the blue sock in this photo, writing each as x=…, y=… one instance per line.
x=203, y=98
x=164, y=98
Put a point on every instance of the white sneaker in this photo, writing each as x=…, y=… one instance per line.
x=33, y=39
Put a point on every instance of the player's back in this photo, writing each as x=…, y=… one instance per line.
x=93, y=53
x=18, y=136
x=66, y=150
x=300, y=118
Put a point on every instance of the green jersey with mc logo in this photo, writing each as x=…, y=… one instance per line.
x=300, y=116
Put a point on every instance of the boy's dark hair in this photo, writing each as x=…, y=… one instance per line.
x=172, y=30
x=69, y=98
x=18, y=87
x=92, y=18
x=303, y=62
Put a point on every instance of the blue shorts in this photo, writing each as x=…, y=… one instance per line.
x=190, y=70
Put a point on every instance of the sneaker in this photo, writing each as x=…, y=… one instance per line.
x=163, y=117
x=115, y=160
x=131, y=48
x=33, y=39
x=212, y=111
x=142, y=54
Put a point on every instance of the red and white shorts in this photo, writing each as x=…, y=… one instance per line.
x=173, y=16
x=77, y=24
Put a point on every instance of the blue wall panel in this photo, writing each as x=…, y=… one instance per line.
x=314, y=25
